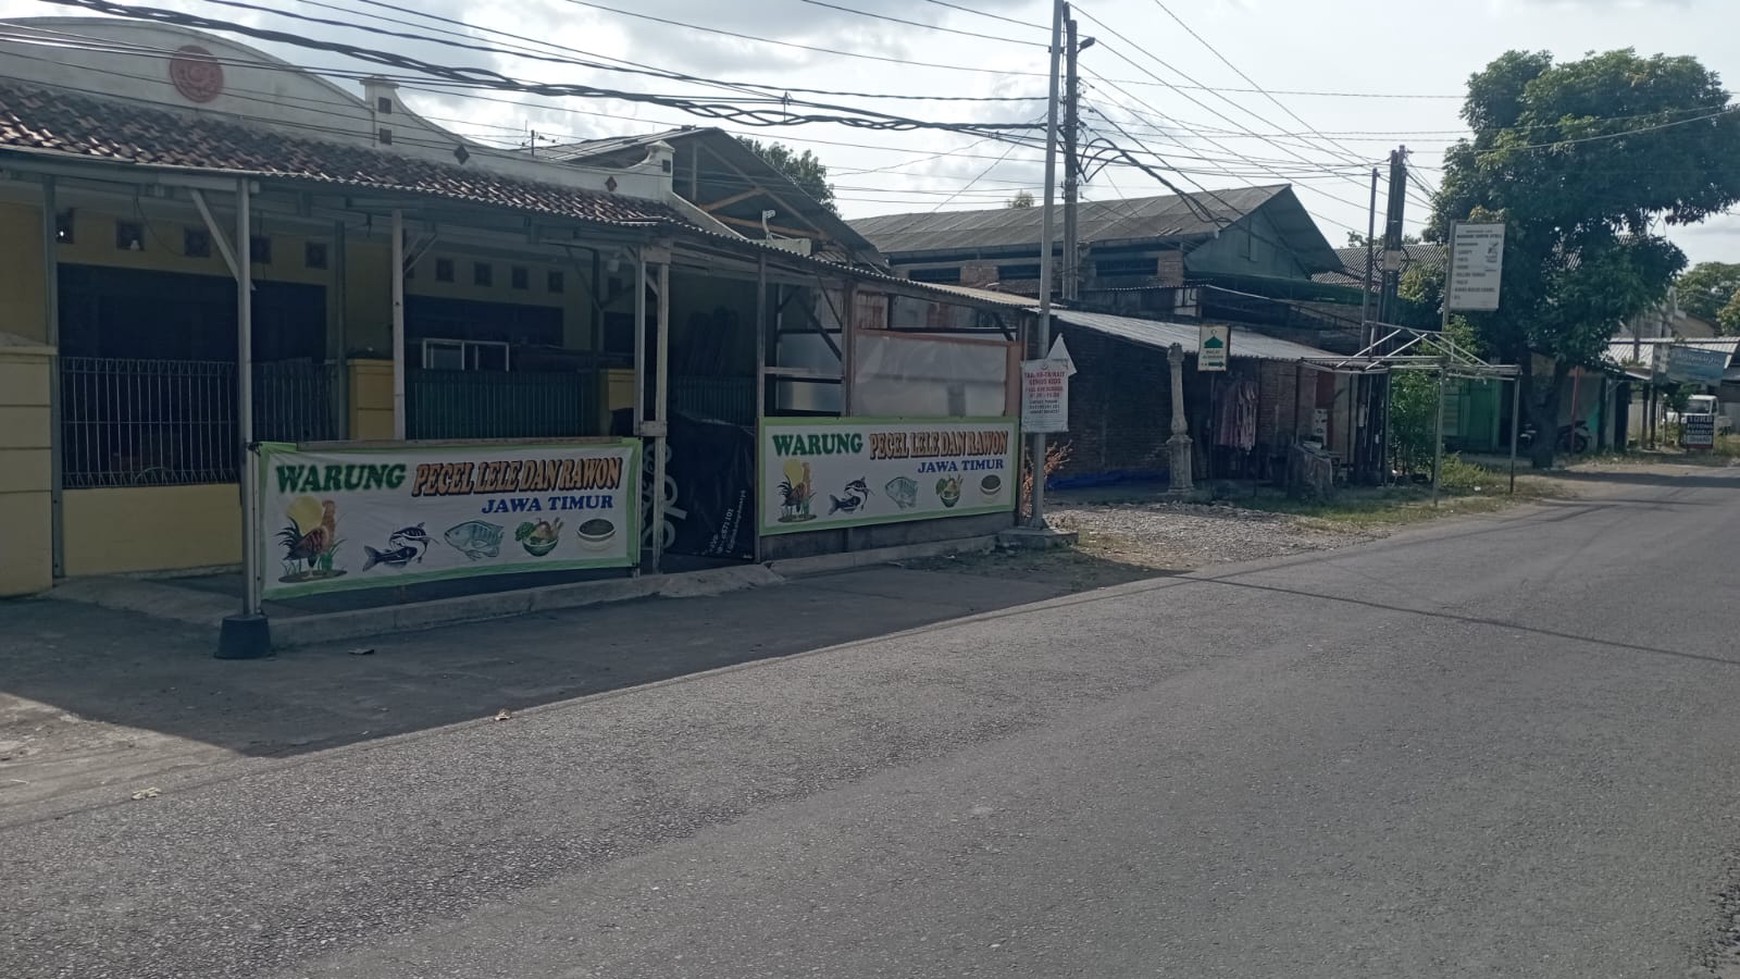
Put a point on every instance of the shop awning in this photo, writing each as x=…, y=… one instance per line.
x=1161, y=334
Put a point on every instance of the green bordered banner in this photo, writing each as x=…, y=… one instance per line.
x=826, y=473
x=334, y=518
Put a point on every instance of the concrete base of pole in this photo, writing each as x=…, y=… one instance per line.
x=1181, y=481
x=244, y=637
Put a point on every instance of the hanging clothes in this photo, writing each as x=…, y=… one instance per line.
x=1236, y=415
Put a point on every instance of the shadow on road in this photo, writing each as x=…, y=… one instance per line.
x=85, y=684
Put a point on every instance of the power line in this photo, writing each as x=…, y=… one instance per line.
x=918, y=23
x=1120, y=36
x=986, y=13
x=489, y=79
x=659, y=72
x=789, y=44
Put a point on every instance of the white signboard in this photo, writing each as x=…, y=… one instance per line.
x=826, y=473
x=1212, y=345
x=341, y=518
x=1045, y=396
x=1476, y=266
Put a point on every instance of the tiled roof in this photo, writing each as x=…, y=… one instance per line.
x=106, y=129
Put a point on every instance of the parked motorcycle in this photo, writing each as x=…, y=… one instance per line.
x=1573, y=438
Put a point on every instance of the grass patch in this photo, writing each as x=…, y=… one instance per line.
x=1465, y=488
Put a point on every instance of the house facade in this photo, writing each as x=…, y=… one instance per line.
x=213, y=255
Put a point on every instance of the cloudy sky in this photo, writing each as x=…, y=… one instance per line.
x=1345, y=81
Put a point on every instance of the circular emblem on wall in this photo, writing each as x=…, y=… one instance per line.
x=196, y=74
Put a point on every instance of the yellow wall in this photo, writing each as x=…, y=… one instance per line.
x=21, y=280
x=26, y=547
x=371, y=399
x=618, y=391
x=152, y=528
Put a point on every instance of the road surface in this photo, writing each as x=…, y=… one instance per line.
x=1495, y=747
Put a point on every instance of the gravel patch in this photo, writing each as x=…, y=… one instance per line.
x=1186, y=536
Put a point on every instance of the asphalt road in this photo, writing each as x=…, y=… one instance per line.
x=1498, y=747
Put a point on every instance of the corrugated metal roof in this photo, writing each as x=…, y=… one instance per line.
x=1642, y=351
x=1164, y=333
x=1352, y=273
x=1167, y=217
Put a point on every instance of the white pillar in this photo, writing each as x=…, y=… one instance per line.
x=398, y=324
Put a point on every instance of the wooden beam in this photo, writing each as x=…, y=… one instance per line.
x=780, y=228
x=752, y=182
x=733, y=199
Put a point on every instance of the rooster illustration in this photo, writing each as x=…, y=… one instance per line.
x=311, y=536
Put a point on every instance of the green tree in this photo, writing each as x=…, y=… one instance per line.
x=1728, y=317
x=1707, y=287
x=1581, y=160
x=1022, y=200
x=804, y=169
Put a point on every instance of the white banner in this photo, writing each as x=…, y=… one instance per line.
x=825, y=473
x=1476, y=266
x=1045, y=396
x=341, y=518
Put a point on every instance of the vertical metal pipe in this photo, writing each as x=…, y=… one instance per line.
x=1515, y=425
x=399, y=365
x=1047, y=233
x=341, y=359
x=640, y=325
x=661, y=397
x=1438, y=444
x=56, y=396
x=760, y=388
x=245, y=395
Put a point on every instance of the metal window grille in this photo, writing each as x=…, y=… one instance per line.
x=137, y=422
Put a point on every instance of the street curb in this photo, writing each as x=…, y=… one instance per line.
x=206, y=610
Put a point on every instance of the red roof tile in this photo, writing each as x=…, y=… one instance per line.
x=66, y=122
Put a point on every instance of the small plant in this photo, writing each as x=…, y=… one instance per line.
x=1056, y=454
x=1461, y=476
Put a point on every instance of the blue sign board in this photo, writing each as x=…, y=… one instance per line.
x=1694, y=365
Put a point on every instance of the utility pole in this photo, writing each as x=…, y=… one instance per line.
x=1071, y=160
x=1047, y=238
x=1393, y=253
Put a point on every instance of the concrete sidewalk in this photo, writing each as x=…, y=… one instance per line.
x=99, y=699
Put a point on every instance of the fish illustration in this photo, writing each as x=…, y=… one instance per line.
x=404, y=545
x=476, y=539
x=398, y=557
x=857, y=493
x=410, y=536
x=903, y=490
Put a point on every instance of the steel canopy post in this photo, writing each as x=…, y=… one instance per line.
x=246, y=636
x=398, y=276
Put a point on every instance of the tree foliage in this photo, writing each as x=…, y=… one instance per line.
x=1707, y=287
x=1022, y=200
x=1728, y=317
x=804, y=169
x=1582, y=161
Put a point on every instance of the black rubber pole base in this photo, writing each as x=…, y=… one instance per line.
x=244, y=637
